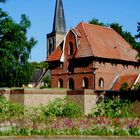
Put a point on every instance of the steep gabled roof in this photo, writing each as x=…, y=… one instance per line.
x=36, y=75
x=55, y=56
x=129, y=79
x=103, y=42
x=98, y=41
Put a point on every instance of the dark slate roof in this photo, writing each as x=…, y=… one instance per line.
x=59, y=24
x=36, y=75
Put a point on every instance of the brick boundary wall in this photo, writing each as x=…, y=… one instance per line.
x=33, y=97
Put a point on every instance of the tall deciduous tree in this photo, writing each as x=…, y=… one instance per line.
x=96, y=22
x=2, y=1
x=138, y=30
x=15, y=51
x=40, y=65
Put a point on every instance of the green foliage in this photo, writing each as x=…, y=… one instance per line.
x=9, y=110
x=136, y=86
x=15, y=51
x=39, y=65
x=63, y=108
x=124, y=87
x=36, y=114
x=134, y=109
x=112, y=108
x=96, y=22
x=47, y=81
x=3, y=1
x=138, y=30
x=99, y=128
x=61, y=117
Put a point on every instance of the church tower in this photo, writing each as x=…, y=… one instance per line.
x=59, y=28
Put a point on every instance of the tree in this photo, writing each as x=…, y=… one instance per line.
x=96, y=22
x=3, y=1
x=15, y=51
x=138, y=30
x=47, y=81
x=136, y=87
x=40, y=65
x=124, y=87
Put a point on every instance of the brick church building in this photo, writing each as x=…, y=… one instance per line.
x=89, y=56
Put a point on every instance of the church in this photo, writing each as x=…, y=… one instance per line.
x=89, y=56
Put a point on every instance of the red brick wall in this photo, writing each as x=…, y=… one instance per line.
x=109, y=71
x=83, y=68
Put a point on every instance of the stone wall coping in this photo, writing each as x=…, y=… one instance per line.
x=49, y=91
x=32, y=91
x=84, y=92
x=44, y=91
x=80, y=92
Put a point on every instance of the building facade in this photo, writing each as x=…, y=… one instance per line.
x=92, y=57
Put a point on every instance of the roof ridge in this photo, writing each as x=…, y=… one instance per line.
x=129, y=75
x=98, y=25
x=87, y=37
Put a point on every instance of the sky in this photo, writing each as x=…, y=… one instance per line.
x=41, y=14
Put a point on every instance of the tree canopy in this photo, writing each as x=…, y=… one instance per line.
x=119, y=29
x=138, y=30
x=40, y=65
x=15, y=49
x=3, y=1
x=96, y=22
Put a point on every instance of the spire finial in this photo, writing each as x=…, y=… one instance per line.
x=59, y=24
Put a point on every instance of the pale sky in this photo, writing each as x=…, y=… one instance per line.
x=41, y=14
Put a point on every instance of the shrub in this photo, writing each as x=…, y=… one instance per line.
x=137, y=87
x=134, y=109
x=112, y=108
x=9, y=110
x=124, y=87
x=35, y=114
x=47, y=82
x=63, y=108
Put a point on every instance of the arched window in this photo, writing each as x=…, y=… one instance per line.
x=71, y=84
x=70, y=49
x=53, y=44
x=85, y=83
x=60, y=83
x=101, y=83
x=50, y=46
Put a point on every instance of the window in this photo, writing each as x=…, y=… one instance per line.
x=50, y=47
x=53, y=44
x=71, y=84
x=70, y=49
x=85, y=83
x=101, y=83
x=61, y=65
x=60, y=83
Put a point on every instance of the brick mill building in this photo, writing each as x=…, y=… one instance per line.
x=89, y=56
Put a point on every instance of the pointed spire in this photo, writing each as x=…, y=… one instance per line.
x=59, y=24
